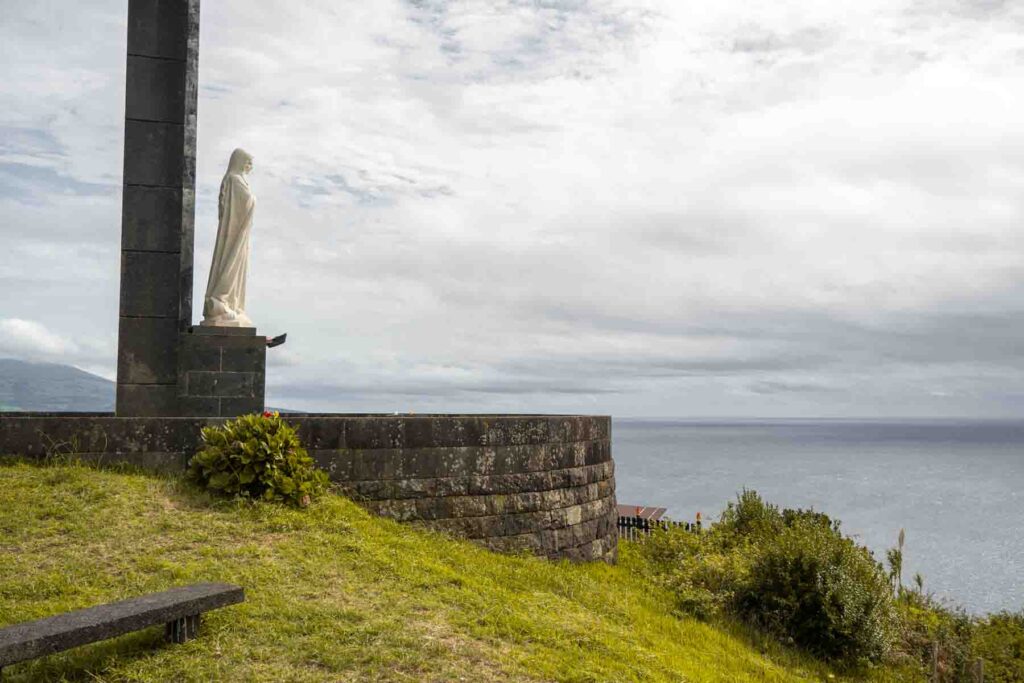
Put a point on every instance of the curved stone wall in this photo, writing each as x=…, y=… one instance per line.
x=517, y=483
x=535, y=483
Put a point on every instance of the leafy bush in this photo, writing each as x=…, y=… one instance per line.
x=820, y=590
x=999, y=640
x=702, y=571
x=750, y=517
x=259, y=457
x=932, y=634
x=791, y=572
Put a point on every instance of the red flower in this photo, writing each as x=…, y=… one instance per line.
x=267, y=413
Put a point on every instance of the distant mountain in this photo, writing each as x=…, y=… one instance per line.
x=52, y=387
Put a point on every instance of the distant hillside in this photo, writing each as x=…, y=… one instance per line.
x=52, y=387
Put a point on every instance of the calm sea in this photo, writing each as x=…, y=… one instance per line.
x=957, y=487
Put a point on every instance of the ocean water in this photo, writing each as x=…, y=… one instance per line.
x=956, y=486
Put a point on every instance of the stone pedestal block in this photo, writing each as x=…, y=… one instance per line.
x=221, y=372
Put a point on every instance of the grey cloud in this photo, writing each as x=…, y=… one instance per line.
x=983, y=11
x=386, y=386
x=566, y=206
x=372, y=192
x=332, y=185
x=758, y=42
x=28, y=183
x=700, y=230
x=557, y=31
x=631, y=370
x=982, y=8
x=29, y=141
x=379, y=191
x=807, y=41
x=809, y=340
x=780, y=387
x=433, y=14
x=977, y=338
x=911, y=339
x=215, y=91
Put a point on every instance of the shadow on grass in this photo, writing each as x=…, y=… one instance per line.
x=86, y=663
x=182, y=493
x=75, y=460
x=178, y=488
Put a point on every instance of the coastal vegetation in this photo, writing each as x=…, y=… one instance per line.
x=334, y=593
x=794, y=575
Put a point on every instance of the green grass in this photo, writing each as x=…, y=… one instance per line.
x=334, y=594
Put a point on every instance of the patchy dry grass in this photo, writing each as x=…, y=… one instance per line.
x=334, y=594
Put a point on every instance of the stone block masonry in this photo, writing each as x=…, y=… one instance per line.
x=164, y=366
x=158, y=202
x=536, y=483
x=221, y=371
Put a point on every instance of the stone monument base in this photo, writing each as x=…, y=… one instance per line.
x=221, y=371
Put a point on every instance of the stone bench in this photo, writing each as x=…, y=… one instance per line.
x=178, y=609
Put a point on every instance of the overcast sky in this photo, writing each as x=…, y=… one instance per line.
x=658, y=208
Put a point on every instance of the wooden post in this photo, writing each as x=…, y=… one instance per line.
x=935, y=662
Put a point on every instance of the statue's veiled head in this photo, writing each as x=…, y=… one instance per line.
x=241, y=162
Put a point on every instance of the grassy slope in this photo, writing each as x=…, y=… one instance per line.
x=334, y=595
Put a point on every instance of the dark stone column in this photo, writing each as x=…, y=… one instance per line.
x=158, y=203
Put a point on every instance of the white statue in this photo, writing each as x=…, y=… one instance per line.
x=225, y=290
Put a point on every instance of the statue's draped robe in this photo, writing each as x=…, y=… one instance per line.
x=225, y=290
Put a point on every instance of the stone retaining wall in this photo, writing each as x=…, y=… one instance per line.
x=541, y=484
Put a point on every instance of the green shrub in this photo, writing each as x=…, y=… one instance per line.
x=258, y=457
x=703, y=571
x=927, y=628
x=750, y=517
x=792, y=574
x=821, y=591
x=999, y=640
x=789, y=572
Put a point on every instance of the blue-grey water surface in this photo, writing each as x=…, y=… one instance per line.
x=954, y=485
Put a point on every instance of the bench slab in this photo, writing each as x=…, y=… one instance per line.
x=33, y=639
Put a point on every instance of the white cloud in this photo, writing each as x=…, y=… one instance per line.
x=688, y=207
x=29, y=338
